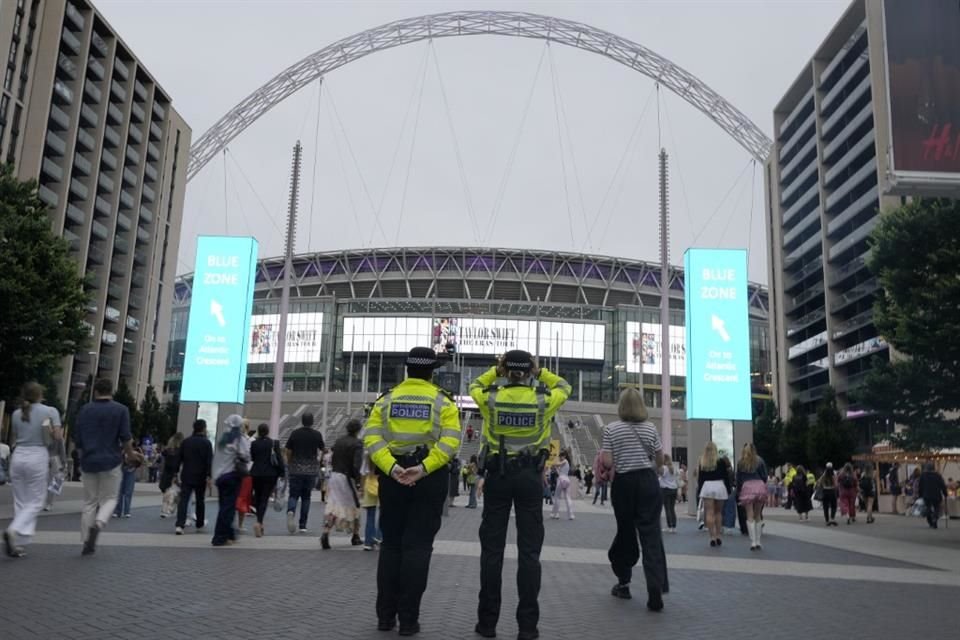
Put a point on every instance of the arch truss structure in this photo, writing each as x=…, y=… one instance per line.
x=469, y=23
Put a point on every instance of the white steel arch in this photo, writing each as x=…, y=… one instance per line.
x=467, y=23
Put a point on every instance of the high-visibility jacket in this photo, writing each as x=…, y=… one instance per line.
x=415, y=413
x=518, y=412
x=791, y=474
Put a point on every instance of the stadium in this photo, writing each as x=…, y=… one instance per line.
x=355, y=313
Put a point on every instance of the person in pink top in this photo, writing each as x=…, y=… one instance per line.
x=602, y=477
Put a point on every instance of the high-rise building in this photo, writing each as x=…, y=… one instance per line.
x=81, y=115
x=831, y=172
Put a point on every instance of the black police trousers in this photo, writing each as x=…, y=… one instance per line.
x=409, y=520
x=521, y=488
x=637, y=502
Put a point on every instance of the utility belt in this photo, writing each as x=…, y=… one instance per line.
x=412, y=459
x=501, y=463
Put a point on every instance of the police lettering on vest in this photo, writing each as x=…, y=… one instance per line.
x=410, y=411
x=508, y=419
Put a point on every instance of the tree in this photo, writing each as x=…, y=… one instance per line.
x=830, y=438
x=793, y=436
x=124, y=397
x=915, y=255
x=153, y=419
x=767, y=429
x=41, y=289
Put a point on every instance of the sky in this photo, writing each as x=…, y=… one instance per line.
x=481, y=141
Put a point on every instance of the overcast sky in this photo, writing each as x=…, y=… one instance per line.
x=581, y=185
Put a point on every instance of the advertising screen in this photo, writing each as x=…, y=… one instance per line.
x=718, y=334
x=644, y=349
x=218, y=333
x=303, y=338
x=923, y=70
x=482, y=336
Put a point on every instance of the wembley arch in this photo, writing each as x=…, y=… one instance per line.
x=473, y=23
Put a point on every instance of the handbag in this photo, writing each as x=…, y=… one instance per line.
x=46, y=429
x=371, y=485
x=279, y=498
x=276, y=460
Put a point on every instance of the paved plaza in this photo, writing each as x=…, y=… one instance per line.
x=895, y=577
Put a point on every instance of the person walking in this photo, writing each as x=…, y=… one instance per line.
x=683, y=483
x=229, y=467
x=304, y=450
x=588, y=480
x=788, y=485
x=196, y=474
x=563, y=488
x=35, y=428
x=266, y=465
x=369, y=501
x=168, y=474
x=752, y=491
x=245, y=493
x=802, y=493
x=713, y=487
x=669, y=484
x=454, y=491
x=56, y=469
x=602, y=476
x=472, y=479
x=343, y=499
x=868, y=489
x=933, y=490
x=100, y=429
x=411, y=435
x=128, y=481
x=828, y=491
x=632, y=447
x=894, y=487
x=517, y=419
x=847, y=492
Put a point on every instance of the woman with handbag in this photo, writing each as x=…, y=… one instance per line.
x=168, y=475
x=229, y=467
x=36, y=427
x=343, y=503
x=266, y=466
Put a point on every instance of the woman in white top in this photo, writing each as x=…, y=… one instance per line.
x=35, y=427
x=669, y=483
x=632, y=447
x=563, y=488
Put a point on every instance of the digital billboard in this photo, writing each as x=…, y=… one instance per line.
x=923, y=84
x=482, y=336
x=644, y=349
x=218, y=333
x=717, y=334
x=303, y=344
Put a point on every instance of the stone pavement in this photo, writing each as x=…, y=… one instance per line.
x=893, y=577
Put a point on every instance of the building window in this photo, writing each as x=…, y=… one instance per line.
x=4, y=105
x=12, y=56
x=8, y=78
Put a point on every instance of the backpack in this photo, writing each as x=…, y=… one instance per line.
x=866, y=483
x=847, y=481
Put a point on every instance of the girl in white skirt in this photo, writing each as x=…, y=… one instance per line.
x=563, y=488
x=342, y=509
x=752, y=490
x=713, y=481
x=35, y=428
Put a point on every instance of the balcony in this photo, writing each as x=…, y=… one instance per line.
x=115, y=291
x=102, y=206
x=133, y=324
x=111, y=136
x=52, y=170
x=118, y=269
x=837, y=170
x=59, y=117
x=139, y=90
x=838, y=275
x=133, y=158
x=95, y=69
x=813, y=242
x=820, y=366
x=862, y=290
x=67, y=66
x=106, y=183
x=856, y=322
x=62, y=93
x=111, y=313
x=809, y=344
x=106, y=363
x=801, y=323
x=852, y=43
x=73, y=239
x=75, y=214
x=140, y=258
x=119, y=92
x=794, y=234
x=146, y=216
x=809, y=197
x=126, y=200
x=866, y=173
x=48, y=195
x=95, y=255
x=858, y=351
x=56, y=143
x=804, y=130
x=135, y=135
x=127, y=370
x=129, y=177
x=860, y=92
x=120, y=68
x=138, y=281
x=867, y=202
x=802, y=156
x=71, y=40
x=791, y=279
x=856, y=236
x=137, y=301
x=137, y=112
x=121, y=246
x=843, y=137
x=806, y=296
x=81, y=165
x=852, y=382
x=114, y=114
x=858, y=66
x=159, y=111
x=130, y=348
x=812, y=395
x=150, y=172
x=92, y=91
x=86, y=140
x=153, y=152
x=802, y=105
x=156, y=133
x=98, y=230
x=108, y=160
x=78, y=189
x=143, y=236
x=801, y=180
x=75, y=17
x=98, y=43
x=148, y=193
x=123, y=222
x=89, y=115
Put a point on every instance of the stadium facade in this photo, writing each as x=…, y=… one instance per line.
x=354, y=314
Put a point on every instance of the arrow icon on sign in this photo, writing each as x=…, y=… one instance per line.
x=716, y=322
x=216, y=310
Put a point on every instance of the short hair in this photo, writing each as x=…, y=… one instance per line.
x=421, y=373
x=354, y=426
x=631, y=407
x=263, y=429
x=307, y=419
x=199, y=426
x=103, y=387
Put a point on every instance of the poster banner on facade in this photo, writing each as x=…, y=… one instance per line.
x=644, y=349
x=923, y=75
x=218, y=334
x=718, y=334
x=304, y=344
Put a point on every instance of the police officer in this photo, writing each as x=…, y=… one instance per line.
x=516, y=433
x=412, y=434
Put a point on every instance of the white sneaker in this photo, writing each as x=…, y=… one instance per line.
x=573, y=517
x=291, y=522
x=179, y=531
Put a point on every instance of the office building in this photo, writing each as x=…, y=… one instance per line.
x=81, y=115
